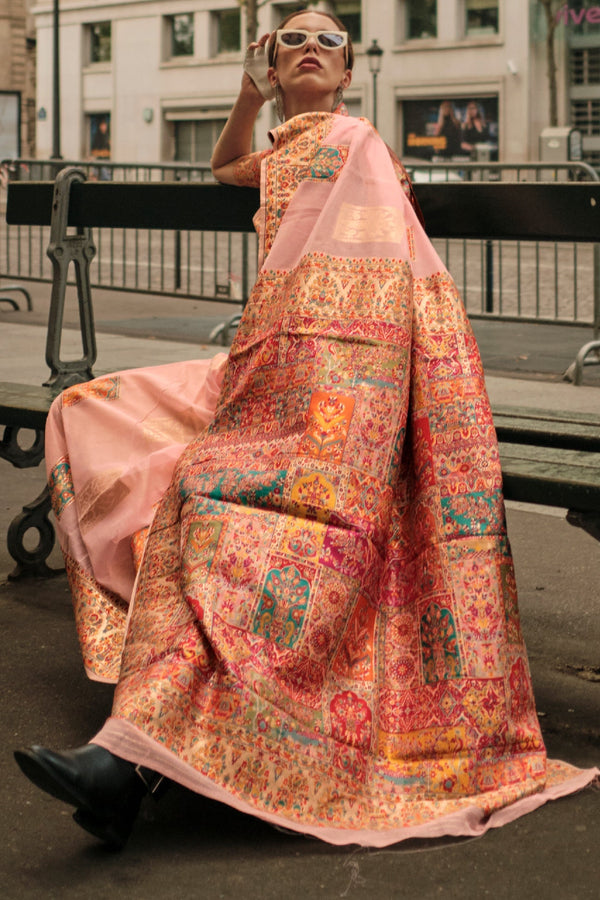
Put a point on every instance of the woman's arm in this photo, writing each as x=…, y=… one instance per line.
x=235, y=140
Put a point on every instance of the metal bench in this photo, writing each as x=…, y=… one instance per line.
x=551, y=458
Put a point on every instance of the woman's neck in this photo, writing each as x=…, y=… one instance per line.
x=309, y=104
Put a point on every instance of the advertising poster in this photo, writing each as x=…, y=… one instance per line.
x=449, y=128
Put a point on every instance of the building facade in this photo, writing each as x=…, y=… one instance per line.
x=153, y=80
x=17, y=79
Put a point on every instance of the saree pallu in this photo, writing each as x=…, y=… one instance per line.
x=324, y=630
x=111, y=447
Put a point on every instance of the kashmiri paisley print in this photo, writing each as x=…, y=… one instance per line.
x=324, y=630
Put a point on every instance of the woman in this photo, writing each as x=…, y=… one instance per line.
x=448, y=127
x=324, y=630
x=475, y=128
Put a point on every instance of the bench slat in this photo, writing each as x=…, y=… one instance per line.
x=551, y=428
x=551, y=476
x=24, y=405
x=542, y=211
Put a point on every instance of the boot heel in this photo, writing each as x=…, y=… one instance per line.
x=113, y=831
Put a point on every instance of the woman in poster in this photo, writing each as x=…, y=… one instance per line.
x=475, y=129
x=448, y=126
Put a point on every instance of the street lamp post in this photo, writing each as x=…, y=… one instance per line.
x=374, y=53
x=55, y=85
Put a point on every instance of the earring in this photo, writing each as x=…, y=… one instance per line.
x=339, y=98
x=279, y=104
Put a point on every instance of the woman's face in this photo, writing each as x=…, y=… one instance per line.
x=310, y=71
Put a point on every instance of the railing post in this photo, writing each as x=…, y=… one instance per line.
x=489, y=276
x=596, y=291
x=245, y=279
x=177, y=260
x=177, y=250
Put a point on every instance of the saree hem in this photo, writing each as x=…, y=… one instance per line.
x=127, y=741
x=100, y=679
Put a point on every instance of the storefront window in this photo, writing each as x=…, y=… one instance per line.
x=445, y=128
x=99, y=135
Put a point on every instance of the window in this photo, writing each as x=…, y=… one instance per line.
x=350, y=13
x=585, y=115
x=10, y=116
x=228, y=30
x=447, y=127
x=354, y=106
x=195, y=139
x=280, y=11
x=585, y=65
x=98, y=126
x=421, y=19
x=181, y=34
x=100, y=42
x=481, y=17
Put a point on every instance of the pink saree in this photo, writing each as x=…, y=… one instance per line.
x=324, y=629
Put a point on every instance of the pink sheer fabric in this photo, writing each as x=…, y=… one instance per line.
x=111, y=447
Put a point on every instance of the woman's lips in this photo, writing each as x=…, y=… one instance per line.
x=310, y=64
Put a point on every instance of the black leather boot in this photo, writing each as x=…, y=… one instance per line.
x=106, y=789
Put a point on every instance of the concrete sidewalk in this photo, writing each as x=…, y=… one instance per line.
x=186, y=846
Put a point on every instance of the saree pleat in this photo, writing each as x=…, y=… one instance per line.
x=325, y=630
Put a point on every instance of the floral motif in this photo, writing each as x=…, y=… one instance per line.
x=327, y=162
x=441, y=658
x=355, y=658
x=329, y=416
x=314, y=496
x=98, y=389
x=351, y=719
x=60, y=484
x=282, y=606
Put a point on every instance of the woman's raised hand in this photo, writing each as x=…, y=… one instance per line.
x=256, y=65
x=235, y=140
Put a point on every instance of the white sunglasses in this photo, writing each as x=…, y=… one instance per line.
x=297, y=37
